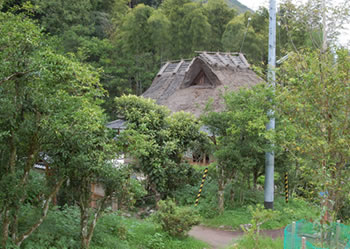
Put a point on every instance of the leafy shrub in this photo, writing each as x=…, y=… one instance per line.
x=59, y=230
x=176, y=221
x=110, y=232
x=186, y=194
x=252, y=239
x=208, y=203
x=137, y=191
x=260, y=215
x=157, y=241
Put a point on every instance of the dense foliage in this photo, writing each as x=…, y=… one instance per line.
x=113, y=230
x=63, y=63
x=157, y=141
x=240, y=137
x=130, y=40
x=50, y=114
x=175, y=220
x=314, y=99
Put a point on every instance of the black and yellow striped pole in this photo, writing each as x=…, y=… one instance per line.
x=200, y=188
x=286, y=186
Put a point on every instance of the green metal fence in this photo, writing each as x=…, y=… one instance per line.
x=334, y=235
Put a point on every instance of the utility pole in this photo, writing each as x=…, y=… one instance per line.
x=324, y=27
x=270, y=156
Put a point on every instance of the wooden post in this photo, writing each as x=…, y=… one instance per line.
x=293, y=235
x=337, y=233
x=303, y=243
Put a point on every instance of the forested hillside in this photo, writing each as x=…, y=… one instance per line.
x=129, y=41
x=69, y=181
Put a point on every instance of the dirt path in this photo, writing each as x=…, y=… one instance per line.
x=219, y=239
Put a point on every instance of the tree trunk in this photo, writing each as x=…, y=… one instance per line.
x=94, y=221
x=45, y=210
x=221, y=199
x=13, y=153
x=221, y=188
x=232, y=195
x=84, y=219
x=5, y=227
x=255, y=178
x=14, y=226
x=248, y=182
x=86, y=229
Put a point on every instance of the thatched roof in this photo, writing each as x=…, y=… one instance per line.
x=188, y=85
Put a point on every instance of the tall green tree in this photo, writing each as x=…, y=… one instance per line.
x=219, y=15
x=241, y=139
x=189, y=27
x=157, y=141
x=314, y=97
x=304, y=25
x=49, y=113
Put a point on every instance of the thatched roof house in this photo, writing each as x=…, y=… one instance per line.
x=188, y=85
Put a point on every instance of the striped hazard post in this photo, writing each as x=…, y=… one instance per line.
x=286, y=186
x=200, y=188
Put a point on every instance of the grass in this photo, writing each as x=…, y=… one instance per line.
x=295, y=210
x=229, y=218
x=129, y=233
x=262, y=243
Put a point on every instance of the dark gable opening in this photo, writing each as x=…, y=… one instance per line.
x=201, y=81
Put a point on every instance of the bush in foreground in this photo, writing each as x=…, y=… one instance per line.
x=176, y=221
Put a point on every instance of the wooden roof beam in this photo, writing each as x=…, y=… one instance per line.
x=241, y=56
x=210, y=59
x=178, y=66
x=189, y=66
x=233, y=61
x=163, y=69
x=222, y=59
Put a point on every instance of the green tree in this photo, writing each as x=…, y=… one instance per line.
x=135, y=30
x=189, y=27
x=306, y=26
x=241, y=139
x=314, y=97
x=137, y=57
x=199, y=29
x=219, y=15
x=72, y=22
x=49, y=113
x=157, y=141
x=241, y=36
x=159, y=27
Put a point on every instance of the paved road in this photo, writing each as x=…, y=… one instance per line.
x=215, y=237
x=219, y=239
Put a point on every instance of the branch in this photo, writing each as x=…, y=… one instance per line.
x=96, y=216
x=14, y=75
x=43, y=216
